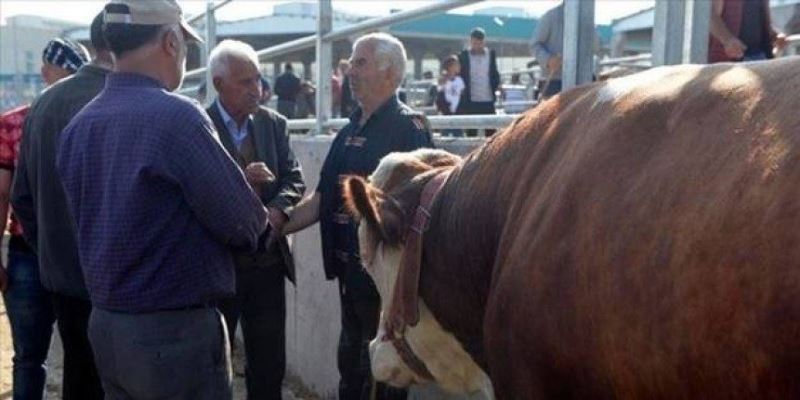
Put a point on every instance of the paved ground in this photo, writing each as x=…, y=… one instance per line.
x=54, y=377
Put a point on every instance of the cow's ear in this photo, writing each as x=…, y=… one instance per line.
x=362, y=201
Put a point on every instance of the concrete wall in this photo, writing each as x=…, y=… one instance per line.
x=313, y=319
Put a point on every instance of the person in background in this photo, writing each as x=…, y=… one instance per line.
x=741, y=30
x=453, y=86
x=62, y=58
x=41, y=289
x=305, y=104
x=287, y=87
x=481, y=78
x=547, y=46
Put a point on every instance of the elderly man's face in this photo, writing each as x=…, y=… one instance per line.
x=368, y=83
x=239, y=87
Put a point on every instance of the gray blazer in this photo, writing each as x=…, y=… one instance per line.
x=272, y=147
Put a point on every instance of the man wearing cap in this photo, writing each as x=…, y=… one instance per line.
x=158, y=207
x=31, y=297
x=481, y=78
x=62, y=58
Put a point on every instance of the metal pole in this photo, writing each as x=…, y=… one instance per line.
x=403, y=16
x=382, y=22
x=668, y=29
x=202, y=15
x=578, y=42
x=698, y=17
x=324, y=55
x=211, y=42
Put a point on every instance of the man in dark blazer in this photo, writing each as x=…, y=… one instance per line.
x=257, y=139
x=481, y=78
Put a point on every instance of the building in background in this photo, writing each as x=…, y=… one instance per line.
x=427, y=40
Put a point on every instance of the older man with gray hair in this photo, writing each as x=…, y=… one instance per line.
x=257, y=139
x=380, y=125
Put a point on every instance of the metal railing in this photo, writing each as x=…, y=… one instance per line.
x=642, y=61
x=792, y=45
x=437, y=122
x=371, y=24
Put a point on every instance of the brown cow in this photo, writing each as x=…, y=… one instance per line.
x=637, y=238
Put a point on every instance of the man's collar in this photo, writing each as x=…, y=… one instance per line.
x=389, y=104
x=226, y=118
x=132, y=79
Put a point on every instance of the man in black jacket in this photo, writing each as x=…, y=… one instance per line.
x=481, y=78
x=40, y=205
x=257, y=139
x=287, y=87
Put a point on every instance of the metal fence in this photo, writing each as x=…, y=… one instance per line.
x=322, y=123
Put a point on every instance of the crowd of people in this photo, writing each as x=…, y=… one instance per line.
x=147, y=228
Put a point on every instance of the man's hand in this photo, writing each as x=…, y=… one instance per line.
x=3, y=279
x=734, y=48
x=257, y=173
x=554, y=64
x=277, y=219
x=779, y=43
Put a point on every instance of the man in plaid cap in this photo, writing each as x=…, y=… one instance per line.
x=62, y=58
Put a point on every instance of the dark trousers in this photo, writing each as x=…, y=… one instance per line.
x=286, y=108
x=176, y=355
x=30, y=315
x=260, y=302
x=361, y=307
x=81, y=381
x=467, y=107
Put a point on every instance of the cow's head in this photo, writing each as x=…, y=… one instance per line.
x=385, y=204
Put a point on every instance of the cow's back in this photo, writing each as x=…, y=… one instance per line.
x=647, y=238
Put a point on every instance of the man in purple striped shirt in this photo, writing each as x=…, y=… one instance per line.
x=158, y=207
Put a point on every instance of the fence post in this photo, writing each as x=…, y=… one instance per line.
x=698, y=17
x=578, y=42
x=324, y=55
x=211, y=42
x=668, y=32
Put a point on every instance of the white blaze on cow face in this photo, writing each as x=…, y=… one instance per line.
x=451, y=366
